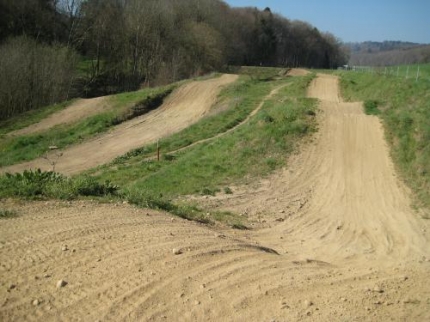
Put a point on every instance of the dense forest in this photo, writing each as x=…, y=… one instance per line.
x=388, y=53
x=52, y=50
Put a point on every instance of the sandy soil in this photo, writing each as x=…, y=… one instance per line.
x=81, y=109
x=297, y=72
x=333, y=239
x=183, y=107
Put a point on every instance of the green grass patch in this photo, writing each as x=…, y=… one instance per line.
x=5, y=214
x=404, y=107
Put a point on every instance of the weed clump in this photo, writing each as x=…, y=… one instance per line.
x=48, y=184
x=371, y=107
x=5, y=214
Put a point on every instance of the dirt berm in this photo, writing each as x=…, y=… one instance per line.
x=183, y=107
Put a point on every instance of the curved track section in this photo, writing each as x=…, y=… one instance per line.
x=183, y=107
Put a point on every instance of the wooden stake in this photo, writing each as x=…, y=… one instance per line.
x=158, y=150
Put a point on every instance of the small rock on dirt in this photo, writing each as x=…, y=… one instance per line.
x=36, y=302
x=61, y=283
x=307, y=303
x=64, y=248
x=176, y=251
x=377, y=289
x=11, y=286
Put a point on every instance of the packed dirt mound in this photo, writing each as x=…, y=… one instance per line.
x=183, y=107
x=333, y=239
x=297, y=72
x=81, y=109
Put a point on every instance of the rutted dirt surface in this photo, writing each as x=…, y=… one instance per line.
x=183, y=107
x=81, y=109
x=333, y=239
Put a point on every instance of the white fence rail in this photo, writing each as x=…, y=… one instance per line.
x=413, y=72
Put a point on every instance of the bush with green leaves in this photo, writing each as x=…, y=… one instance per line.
x=39, y=184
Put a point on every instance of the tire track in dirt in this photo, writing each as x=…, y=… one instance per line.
x=185, y=106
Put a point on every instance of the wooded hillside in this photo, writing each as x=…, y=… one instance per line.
x=126, y=43
x=388, y=53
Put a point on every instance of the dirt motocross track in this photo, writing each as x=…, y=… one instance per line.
x=333, y=239
x=184, y=106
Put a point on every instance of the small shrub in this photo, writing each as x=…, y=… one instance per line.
x=89, y=186
x=228, y=191
x=148, y=104
x=40, y=184
x=28, y=184
x=371, y=107
x=267, y=118
x=209, y=192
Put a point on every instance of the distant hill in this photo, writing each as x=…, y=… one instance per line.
x=371, y=53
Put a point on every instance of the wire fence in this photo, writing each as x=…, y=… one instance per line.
x=413, y=72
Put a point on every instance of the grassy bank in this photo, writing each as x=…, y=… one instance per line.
x=404, y=107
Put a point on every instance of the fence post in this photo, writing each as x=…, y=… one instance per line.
x=418, y=74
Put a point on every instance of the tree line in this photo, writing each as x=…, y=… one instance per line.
x=118, y=45
x=388, y=53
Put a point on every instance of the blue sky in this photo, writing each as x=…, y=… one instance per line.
x=356, y=20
